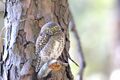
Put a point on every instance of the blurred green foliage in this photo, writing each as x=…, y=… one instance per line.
x=91, y=18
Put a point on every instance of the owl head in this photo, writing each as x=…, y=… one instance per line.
x=51, y=28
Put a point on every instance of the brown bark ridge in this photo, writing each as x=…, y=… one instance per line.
x=23, y=21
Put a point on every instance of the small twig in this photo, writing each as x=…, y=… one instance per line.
x=80, y=54
x=72, y=59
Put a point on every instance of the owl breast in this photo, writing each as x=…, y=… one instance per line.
x=53, y=48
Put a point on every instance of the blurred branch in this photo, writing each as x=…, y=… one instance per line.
x=80, y=55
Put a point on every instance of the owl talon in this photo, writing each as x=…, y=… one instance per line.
x=49, y=45
x=56, y=65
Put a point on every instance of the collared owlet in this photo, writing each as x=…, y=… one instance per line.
x=50, y=44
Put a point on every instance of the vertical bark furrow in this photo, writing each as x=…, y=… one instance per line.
x=12, y=19
x=23, y=20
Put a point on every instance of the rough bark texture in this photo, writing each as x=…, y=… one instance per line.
x=23, y=21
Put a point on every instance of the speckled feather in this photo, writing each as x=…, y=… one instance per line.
x=53, y=48
x=41, y=42
x=49, y=44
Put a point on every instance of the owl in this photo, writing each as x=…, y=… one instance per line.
x=49, y=44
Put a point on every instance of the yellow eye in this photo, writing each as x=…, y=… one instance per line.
x=53, y=28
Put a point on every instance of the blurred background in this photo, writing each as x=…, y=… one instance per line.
x=98, y=26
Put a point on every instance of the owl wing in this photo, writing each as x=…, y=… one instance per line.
x=53, y=48
x=41, y=42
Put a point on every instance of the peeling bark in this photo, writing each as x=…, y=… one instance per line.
x=23, y=21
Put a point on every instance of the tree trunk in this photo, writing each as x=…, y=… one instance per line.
x=115, y=30
x=23, y=21
x=115, y=43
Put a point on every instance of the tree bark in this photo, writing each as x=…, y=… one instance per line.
x=23, y=21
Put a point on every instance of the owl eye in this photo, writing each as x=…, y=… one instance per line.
x=53, y=29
